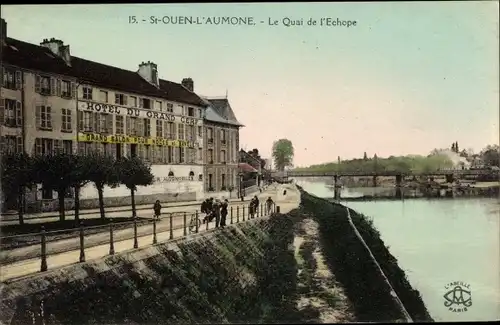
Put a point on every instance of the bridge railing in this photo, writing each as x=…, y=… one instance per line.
x=458, y=172
x=189, y=223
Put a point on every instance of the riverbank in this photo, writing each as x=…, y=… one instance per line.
x=353, y=267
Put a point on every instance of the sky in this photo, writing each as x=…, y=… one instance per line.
x=407, y=78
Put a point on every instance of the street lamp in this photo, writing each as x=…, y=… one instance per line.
x=240, y=177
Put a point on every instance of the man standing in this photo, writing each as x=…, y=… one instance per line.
x=216, y=212
x=223, y=213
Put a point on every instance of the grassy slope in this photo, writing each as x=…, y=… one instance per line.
x=350, y=263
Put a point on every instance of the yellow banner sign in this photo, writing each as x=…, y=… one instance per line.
x=92, y=137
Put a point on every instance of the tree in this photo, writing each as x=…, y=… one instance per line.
x=456, y=147
x=17, y=175
x=133, y=172
x=79, y=177
x=453, y=147
x=104, y=172
x=283, y=153
x=55, y=172
x=365, y=156
x=491, y=155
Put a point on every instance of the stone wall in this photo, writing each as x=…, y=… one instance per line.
x=217, y=277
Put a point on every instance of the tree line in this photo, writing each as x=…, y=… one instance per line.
x=436, y=160
x=61, y=172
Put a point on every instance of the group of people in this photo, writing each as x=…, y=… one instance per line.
x=215, y=209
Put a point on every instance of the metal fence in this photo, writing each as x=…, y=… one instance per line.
x=189, y=223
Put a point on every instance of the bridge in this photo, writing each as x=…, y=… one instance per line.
x=361, y=173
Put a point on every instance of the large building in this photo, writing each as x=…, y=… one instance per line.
x=221, y=141
x=53, y=101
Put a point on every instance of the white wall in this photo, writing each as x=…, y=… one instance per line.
x=170, y=186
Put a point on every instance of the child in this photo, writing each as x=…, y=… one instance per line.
x=157, y=209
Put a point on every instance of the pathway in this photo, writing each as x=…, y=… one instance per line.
x=97, y=245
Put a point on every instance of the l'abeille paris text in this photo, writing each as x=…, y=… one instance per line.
x=133, y=112
x=127, y=139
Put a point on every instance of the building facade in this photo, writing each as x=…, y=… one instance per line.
x=222, y=143
x=53, y=101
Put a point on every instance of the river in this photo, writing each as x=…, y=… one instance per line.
x=438, y=241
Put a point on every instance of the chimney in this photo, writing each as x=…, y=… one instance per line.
x=188, y=84
x=149, y=71
x=58, y=48
x=3, y=30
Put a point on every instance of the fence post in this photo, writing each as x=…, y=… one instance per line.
x=238, y=214
x=261, y=210
x=231, y=215
x=185, y=224
x=154, y=231
x=136, y=244
x=171, y=226
x=277, y=209
x=243, y=217
x=82, y=243
x=197, y=222
x=43, y=266
x=207, y=222
x=111, y=241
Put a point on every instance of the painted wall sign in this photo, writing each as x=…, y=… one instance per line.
x=168, y=179
x=134, y=112
x=94, y=137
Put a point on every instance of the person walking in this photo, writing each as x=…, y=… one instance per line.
x=251, y=209
x=157, y=209
x=223, y=213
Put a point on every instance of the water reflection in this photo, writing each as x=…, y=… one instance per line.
x=437, y=241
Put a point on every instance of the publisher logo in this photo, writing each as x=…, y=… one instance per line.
x=457, y=297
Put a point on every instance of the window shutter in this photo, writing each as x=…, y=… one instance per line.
x=174, y=131
x=19, y=114
x=2, y=111
x=19, y=141
x=19, y=79
x=73, y=90
x=90, y=125
x=38, y=84
x=58, y=83
x=49, y=116
x=38, y=146
x=113, y=150
x=53, y=87
x=97, y=122
x=109, y=123
x=80, y=121
x=127, y=125
x=38, y=117
x=125, y=100
x=140, y=126
x=165, y=129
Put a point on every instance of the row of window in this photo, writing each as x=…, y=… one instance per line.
x=140, y=102
x=51, y=86
x=223, y=182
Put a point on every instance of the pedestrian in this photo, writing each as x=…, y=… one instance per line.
x=223, y=213
x=216, y=212
x=269, y=205
x=251, y=210
x=256, y=204
x=157, y=209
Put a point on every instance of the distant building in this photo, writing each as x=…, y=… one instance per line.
x=222, y=144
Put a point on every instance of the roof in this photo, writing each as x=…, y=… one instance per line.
x=35, y=57
x=220, y=111
x=244, y=167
